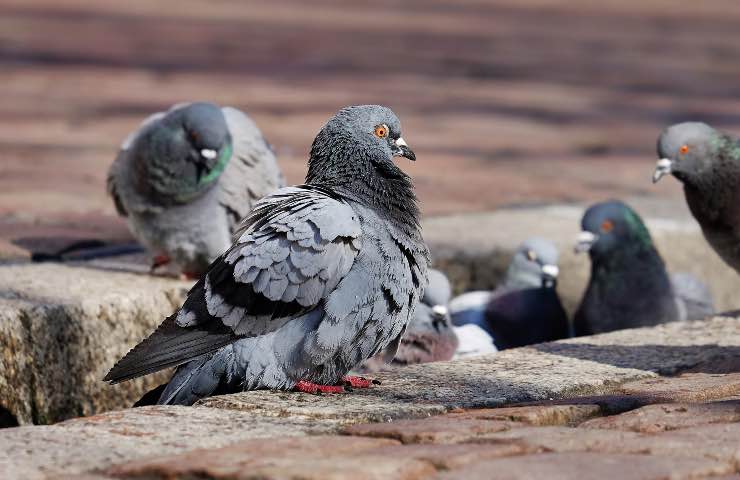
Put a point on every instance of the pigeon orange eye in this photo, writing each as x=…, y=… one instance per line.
x=684, y=149
x=607, y=226
x=531, y=255
x=381, y=131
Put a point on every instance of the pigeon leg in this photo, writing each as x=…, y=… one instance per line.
x=359, y=382
x=159, y=261
x=189, y=276
x=308, y=387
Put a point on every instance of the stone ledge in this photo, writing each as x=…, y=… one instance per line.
x=61, y=329
x=85, y=317
x=141, y=442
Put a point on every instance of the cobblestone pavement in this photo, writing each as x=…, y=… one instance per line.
x=652, y=403
x=693, y=436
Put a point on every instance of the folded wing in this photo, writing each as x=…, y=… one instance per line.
x=291, y=253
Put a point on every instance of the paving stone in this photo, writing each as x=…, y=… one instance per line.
x=567, y=466
x=449, y=456
x=62, y=328
x=315, y=457
x=717, y=442
x=585, y=366
x=535, y=415
x=658, y=418
x=84, y=444
x=441, y=429
x=689, y=387
x=308, y=457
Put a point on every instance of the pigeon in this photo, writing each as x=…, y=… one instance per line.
x=321, y=277
x=430, y=336
x=707, y=162
x=186, y=178
x=526, y=308
x=629, y=285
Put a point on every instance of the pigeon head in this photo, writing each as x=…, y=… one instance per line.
x=611, y=226
x=185, y=152
x=686, y=150
x=534, y=265
x=353, y=154
x=438, y=291
x=357, y=140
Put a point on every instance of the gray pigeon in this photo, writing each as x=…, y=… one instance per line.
x=321, y=277
x=185, y=179
x=429, y=336
x=629, y=285
x=707, y=162
x=525, y=308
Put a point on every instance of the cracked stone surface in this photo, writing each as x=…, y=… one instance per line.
x=61, y=329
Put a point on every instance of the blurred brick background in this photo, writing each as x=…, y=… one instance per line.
x=505, y=102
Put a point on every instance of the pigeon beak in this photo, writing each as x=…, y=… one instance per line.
x=208, y=153
x=400, y=149
x=663, y=167
x=549, y=275
x=440, y=310
x=551, y=271
x=585, y=241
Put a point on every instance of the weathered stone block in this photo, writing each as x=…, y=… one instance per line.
x=62, y=328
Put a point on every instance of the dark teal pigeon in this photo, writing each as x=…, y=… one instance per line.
x=707, y=162
x=629, y=285
x=525, y=308
x=186, y=178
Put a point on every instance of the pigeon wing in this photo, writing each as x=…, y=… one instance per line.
x=252, y=172
x=292, y=251
x=693, y=296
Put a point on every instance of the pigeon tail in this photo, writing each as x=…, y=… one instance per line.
x=170, y=345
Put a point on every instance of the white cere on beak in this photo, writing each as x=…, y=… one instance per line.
x=662, y=167
x=439, y=310
x=551, y=270
x=584, y=241
x=208, y=153
x=401, y=142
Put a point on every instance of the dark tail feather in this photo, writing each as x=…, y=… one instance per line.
x=170, y=345
x=151, y=397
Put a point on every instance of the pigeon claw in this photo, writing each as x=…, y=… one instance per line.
x=159, y=261
x=189, y=276
x=316, y=389
x=358, y=382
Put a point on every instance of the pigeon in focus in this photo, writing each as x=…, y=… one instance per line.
x=186, y=178
x=629, y=285
x=525, y=308
x=321, y=277
x=707, y=162
x=430, y=336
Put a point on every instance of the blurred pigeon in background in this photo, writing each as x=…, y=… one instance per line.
x=322, y=276
x=525, y=309
x=429, y=336
x=629, y=285
x=186, y=178
x=707, y=162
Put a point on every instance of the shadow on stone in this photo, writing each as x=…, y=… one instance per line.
x=709, y=358
x=7, y=419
